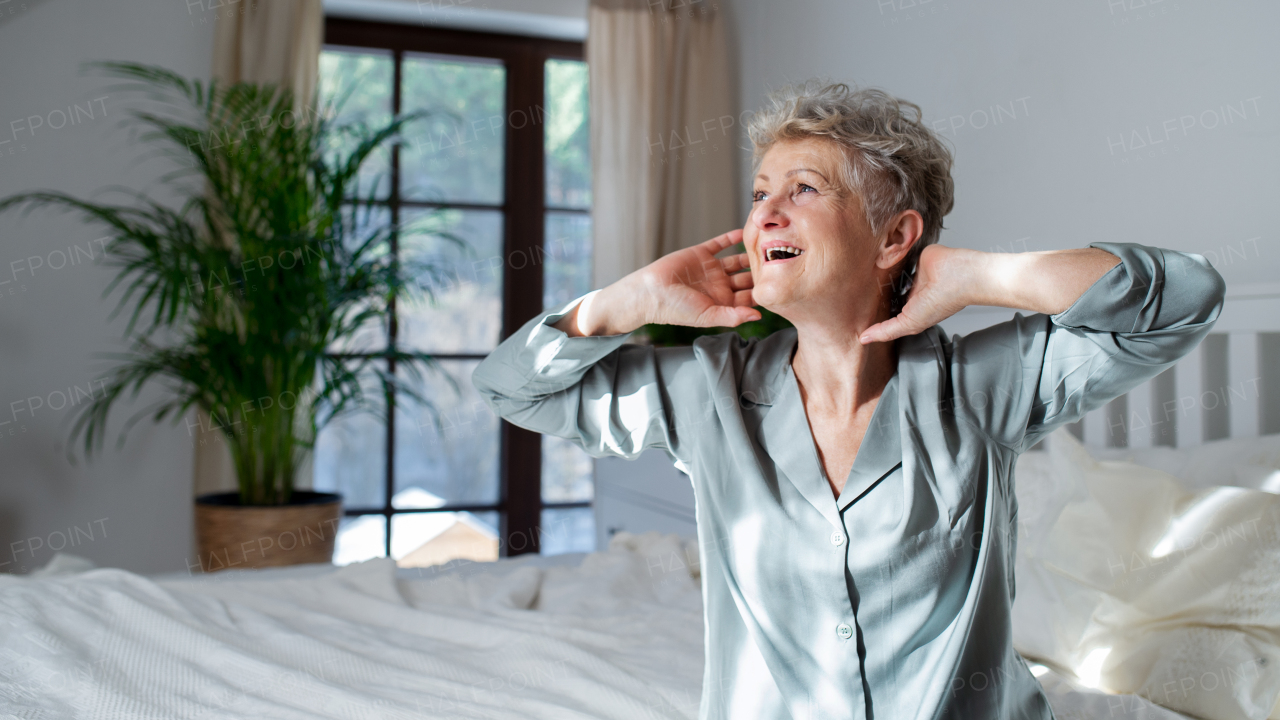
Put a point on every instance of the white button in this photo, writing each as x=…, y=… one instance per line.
x=844, y=631
x=837, y=538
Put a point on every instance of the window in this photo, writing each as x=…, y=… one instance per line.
x=493, y=190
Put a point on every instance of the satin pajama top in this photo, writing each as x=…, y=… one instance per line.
x=892, y=601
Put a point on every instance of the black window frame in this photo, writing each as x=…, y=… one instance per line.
x=519, y=505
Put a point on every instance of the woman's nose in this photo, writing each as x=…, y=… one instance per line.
x=768, y=215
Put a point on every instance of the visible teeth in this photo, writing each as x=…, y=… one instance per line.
x=781, y=252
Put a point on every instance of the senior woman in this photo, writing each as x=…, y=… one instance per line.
x=854, y=475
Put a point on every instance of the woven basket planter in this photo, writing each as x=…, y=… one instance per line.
x=231, y=535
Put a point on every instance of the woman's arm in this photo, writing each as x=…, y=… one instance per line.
x=688, y=287
x=607, y=396
x=1106, y=319
x=570, y=374
x=950, y=279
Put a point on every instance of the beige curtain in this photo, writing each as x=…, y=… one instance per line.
x=275, y=41
x=663, y=129
x=268, y=41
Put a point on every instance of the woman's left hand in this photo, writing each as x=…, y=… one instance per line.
x=950, y=279
x=941, y=287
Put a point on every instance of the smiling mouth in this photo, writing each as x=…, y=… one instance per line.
x=782, y=252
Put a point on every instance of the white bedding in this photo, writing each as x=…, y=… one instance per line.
x=615, y=634
x=1143, y=583
x=612, y=638
x=618, y=635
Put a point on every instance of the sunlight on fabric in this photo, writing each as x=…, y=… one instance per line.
x=1090, y=671
x=1037, y=669
x=600, y=409
x=746, y=537
x=1190, y=524
x=756, y=693
x=635, y=411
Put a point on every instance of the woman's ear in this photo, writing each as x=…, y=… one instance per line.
x=903, y=232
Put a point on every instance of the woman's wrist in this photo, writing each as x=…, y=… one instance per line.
x=988, y=282
x=602, y=312
x=972, y=277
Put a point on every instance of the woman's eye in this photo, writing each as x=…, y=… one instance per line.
x=757, y=196
x=802, y=187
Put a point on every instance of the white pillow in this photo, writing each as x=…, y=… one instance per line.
x=635, y=574
x=1136, y=584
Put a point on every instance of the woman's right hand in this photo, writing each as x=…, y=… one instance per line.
x=689, y=287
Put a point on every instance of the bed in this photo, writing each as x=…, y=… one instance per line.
x=613, y=634
x=1127, y=607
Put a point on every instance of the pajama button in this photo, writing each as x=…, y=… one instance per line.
x=844, y=631
x=837, y=538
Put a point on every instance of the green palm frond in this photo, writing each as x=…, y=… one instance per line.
x=273, y=258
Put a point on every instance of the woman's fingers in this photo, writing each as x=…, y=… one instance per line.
x=720, y=242
x=886, y=331
x=741, y=281
x=734, y=263
x=725, y=316
x=742, y=298
x=745, y=314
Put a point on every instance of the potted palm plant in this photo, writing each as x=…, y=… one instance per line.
x=237, y=299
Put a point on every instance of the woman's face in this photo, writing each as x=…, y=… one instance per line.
x=810, y=246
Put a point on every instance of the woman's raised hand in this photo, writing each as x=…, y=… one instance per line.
x=695, y=288
x=688, y=287
x=942, y=284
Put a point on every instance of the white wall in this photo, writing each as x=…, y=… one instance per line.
x=1047, y=107
x=134, y=503
x=1109, y=113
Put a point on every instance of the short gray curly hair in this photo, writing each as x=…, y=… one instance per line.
x=893, y=161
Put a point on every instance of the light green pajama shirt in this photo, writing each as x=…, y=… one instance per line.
x=892, y=601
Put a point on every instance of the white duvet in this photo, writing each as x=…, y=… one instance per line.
x=618, y=637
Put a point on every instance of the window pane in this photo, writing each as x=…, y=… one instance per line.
x=456, y=461
x=360, y=538
x=568, y=141
x=456, y=153
x=358, y=81
x=566, y=471
x=350, y=455
x=568, y=530
x=370, y=225
x=567, y=270
x=425, y=539
x=466, y=279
